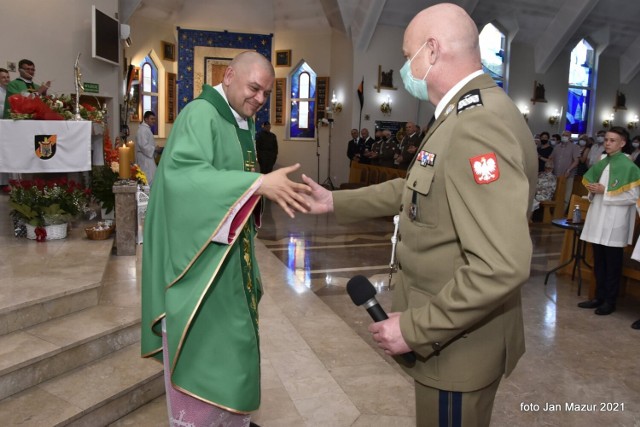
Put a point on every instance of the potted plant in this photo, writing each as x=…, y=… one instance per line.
x=102, y=180
x=45, y=207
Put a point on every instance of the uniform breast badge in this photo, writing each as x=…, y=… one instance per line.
x=426, y=158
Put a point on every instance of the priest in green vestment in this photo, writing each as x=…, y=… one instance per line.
x=200, y=279
x=24, y=83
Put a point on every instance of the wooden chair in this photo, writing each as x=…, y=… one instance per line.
x=555, y=208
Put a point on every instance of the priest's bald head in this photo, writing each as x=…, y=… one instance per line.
x=247, y=83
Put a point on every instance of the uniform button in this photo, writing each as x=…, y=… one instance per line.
x=415, y=183
x=401, y=207
x=436, y=347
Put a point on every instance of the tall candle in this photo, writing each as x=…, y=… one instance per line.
x=132, y=153
x=125, y=163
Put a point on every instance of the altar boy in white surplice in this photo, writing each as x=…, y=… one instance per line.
x=614, y=188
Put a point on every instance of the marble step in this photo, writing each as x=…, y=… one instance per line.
x=94, y=395
x=152, y=414
x=43, y=281
x=47, y=350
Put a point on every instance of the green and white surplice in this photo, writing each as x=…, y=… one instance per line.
x=207, y=290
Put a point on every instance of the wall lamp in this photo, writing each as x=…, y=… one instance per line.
x=385, y=107
x=608, y=122
x=633, y=124
x=336, y=106
x=525, y=112
x=553, y=119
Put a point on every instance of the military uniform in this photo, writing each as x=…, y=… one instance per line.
x=464, y=247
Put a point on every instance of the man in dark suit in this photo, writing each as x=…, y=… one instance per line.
x=267, y=148
x=366, y=146
x=354, y=146
x=464, y=248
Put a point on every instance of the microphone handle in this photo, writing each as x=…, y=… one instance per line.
x=378, y=315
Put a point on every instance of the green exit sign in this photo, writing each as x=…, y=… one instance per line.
x=91, y=87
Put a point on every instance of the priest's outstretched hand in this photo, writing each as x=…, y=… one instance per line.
x=288, y=194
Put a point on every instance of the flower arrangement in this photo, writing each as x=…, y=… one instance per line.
x=39, y=203
x=51, y=107
x=103, y=177
x=138, y=174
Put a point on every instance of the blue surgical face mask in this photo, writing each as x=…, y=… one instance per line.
x=417, y=88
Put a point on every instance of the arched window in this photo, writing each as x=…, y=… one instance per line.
x=580, y=87
x=492, y=43
x=303, y=102
x=149, y=88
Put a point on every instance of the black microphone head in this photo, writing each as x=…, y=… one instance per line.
x=360, y=289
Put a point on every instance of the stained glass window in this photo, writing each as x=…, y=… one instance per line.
x=580, y=87
x=149, y=86
x=492, y=42
x=303, y=103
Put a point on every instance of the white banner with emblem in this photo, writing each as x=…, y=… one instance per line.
x=32, y=146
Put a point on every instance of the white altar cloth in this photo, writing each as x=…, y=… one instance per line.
x=34, y=146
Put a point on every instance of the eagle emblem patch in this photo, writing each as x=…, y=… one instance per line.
x=485, y=168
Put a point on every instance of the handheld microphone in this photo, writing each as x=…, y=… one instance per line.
x=363, y=293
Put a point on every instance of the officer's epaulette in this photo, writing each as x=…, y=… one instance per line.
x=469, y=100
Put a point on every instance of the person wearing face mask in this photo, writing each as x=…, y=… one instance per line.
x=544, y=151
x=565, y=158
x=585, y=142
x=464, y=248
x=597, y=150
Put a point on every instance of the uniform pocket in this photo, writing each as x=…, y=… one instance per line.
x=419, y=200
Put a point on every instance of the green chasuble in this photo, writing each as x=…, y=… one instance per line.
x=207, y=291
x=14, y=87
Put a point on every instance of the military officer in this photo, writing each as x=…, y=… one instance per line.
x=464, y=248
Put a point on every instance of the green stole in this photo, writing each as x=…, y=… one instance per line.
x=623, y=173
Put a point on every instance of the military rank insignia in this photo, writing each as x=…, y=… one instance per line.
x=469, y=100
x=485, y=168
x=45, y=146
x=426, y=158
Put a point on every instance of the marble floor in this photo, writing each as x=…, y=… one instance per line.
x=320, y=367
x=573, y=356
